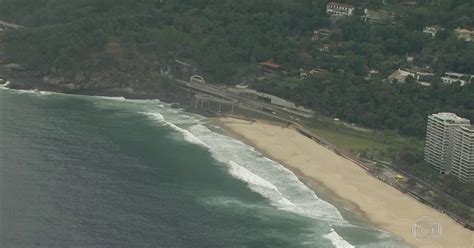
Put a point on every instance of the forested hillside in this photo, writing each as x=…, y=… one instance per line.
x=220, y=37
x=129, y=42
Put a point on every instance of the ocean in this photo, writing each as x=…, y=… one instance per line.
x=85, y=171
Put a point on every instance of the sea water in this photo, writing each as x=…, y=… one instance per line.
x=84, y=171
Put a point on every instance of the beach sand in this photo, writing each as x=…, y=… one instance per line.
x=384, y=206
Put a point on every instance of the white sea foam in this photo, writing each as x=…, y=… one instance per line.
x=154, y=115
x=247, y=176
x=262, y=186
x=21, y=91
x=337, y=240
x=4, y=84
x=155, y=102
x=115, y=98
x=264, y=176
x=267, y=177
x=188, y=136
x=45, y=93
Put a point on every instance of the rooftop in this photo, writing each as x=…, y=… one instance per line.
x=471, y=128
x=450, y=117
x=463, y=30
x=270, y=63
x=433, y=26
x=346, y=5
x=457, y=74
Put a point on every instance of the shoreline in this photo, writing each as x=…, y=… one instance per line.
x=358, y=196
x=317, y=184
x=312, y=183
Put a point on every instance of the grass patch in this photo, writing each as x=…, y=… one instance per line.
x=383, y=145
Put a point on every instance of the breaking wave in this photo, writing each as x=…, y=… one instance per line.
x=337, y=240
x=262, y=175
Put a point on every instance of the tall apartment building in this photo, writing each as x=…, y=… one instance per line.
x=440, y=139
x=462, y=163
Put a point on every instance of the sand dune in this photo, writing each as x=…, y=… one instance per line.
x=384, y=206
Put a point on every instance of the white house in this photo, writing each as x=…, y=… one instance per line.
x=320, y=34
x=339, y=9
x=421, y=77
x=432, y=30
x=465, y=34
x=463, y=79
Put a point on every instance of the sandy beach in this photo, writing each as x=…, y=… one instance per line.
x=384, y=206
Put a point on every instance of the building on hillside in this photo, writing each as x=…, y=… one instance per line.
x=376, y=17
x=319, y=72
x=462, y=162
x=411, y=57
x=440, y=139
x=452, y=77
x=316, y=72
x=465, y=34
x=432, y=30
x=326, y=48
x=269, y=67
x=339, y=9
x=422, y=77
x=303, y=74
x=371, y=73
x=320, y=34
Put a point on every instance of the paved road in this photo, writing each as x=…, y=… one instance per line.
x=274, y=111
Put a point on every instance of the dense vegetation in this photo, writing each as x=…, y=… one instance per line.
x=374, y=104
x=130, y=40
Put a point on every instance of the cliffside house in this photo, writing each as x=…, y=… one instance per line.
x=320, y=34
x=316, y=72
x=371, y=73
x=269, y=67
x=465, y=34
x=452, y=77
x=422, y=77
x=339, y=9
x=432, y=30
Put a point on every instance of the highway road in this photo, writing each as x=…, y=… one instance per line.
x=278, y=112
